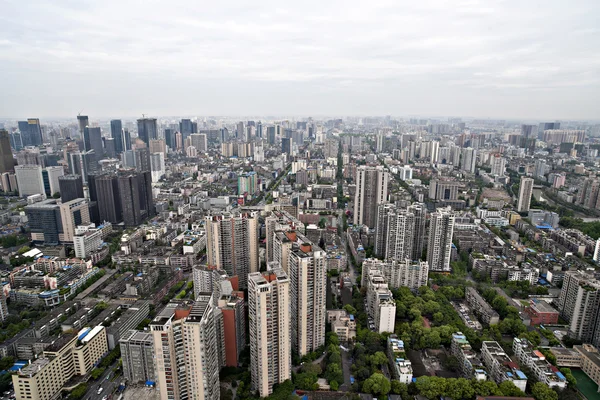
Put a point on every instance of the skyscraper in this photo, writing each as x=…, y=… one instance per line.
x=51, y=175
x=270, y=328
x=142, y=159
x=7, y=163
x=83, y=123
x=186, y=128
x=498, y=165
x=70, y=187
x=271, y=134
x=170, y=139
x=371, y=190
x=29, y=179
x=186, y=350
x=525, y=192
x=116, y=132
x=240, y=133
x=439, y=247
x=469, y=160
x=147, y=129
x=92, y=139
x=286, y=145
x=31, y=132
x=232, y=244
x=126, y=140
x=308, y=284
x=53, y=223
x=104, y=190
x=135, y=191
x=199, y=141
x=137, y=353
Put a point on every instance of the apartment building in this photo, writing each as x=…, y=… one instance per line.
x=500, y=367
x=439, y=246
x=137, y=353
x=578, y=303
x=471, y=365
x=540, y=312
x=566, y=357
x=269, y=311
x=308, y=285
x=480, y=307
x=381, y=306
x=401, y=366
x=186, y=335
x=545, y=372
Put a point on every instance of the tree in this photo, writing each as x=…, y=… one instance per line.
x=451, y=363
x=306, y=381
x=349, y=309
x=23, y=250
x=459, y=389
x=377, y=384
x=56, y=195
x=79, y=391
x=569, y=375
x=322, y=223
x=486, y=388
x=334, y=385
x=542, y=392
x=400, y=388
x=6, y=362
x=378, y=359
x=510, y=390
x=431, y=386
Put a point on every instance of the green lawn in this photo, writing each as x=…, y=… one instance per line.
x=585, y=385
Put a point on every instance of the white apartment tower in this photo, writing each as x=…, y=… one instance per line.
x=308, y=277
x=269, y=324
x=439, y=247
x=525, y=192
x=371, y=190
x=232, y=244
x=186, y=351
x=498, y=165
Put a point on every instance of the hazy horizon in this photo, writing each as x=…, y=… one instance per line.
x=501, y=59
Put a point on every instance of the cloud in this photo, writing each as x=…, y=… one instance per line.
x=179, y=54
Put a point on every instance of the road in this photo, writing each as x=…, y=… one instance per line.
x=108, y=386
x=346, y=363
x=96, y=285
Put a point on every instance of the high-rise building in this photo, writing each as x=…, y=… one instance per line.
x=3, y=307
x=468, y=161
x=116, y=132
x=247, y=183
x=239, y=131
x=7, y=163
x=51, y=175
x=371, y=190
x=498, y=165
x=578, y=303
x=400, y=232
x=109, y=147
x=170, y=139
x=271, y=134
x=443, y=190
x=232, y=308
x=158, y=146
x=200, y=142
x=126, y=140
x=53, y=223
x=525, y=193
x=186, y=351
x=269, y=325
x=83, y=122
x=142, y=159
x=82, y=163
x=135, y=191
x=29, y=179
x=307, y=271
x=70, y=187
x=186, y=127
x=439, y=247
x=104, y=190
x=286, y=145
x=92, y=139
x=381, y=306
x=137, y=353
x=147, y=129
x=31, y=132
x=232, y=244
x=157, y=166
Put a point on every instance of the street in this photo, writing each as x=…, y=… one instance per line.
x=108, y=386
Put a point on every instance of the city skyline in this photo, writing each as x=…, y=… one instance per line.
x=501, y=59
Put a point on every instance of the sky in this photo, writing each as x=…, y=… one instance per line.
x=489, y=58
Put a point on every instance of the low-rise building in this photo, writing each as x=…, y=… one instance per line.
x=481, y=307
x=566, y=357
x=590, y=361
x=68, y=356
x=500, y=367
x=343, y=324
x=537, y=363
x=401, y=365
x=541, y=312
x=470, y=364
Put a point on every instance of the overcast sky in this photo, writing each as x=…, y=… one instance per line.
x=512, y=58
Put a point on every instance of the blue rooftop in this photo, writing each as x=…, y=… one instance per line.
x=521, y=375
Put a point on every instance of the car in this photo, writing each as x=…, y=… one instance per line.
x=100, y=390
